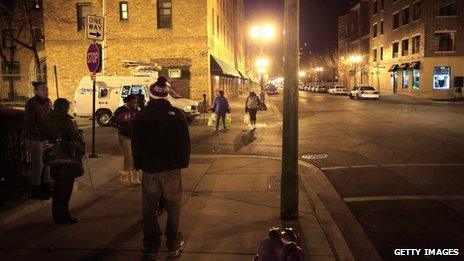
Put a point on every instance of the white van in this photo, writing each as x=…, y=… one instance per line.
x=111, y=90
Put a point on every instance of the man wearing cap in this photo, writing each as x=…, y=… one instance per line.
x=161, y=148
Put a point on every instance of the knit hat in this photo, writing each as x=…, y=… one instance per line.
x=159, y=89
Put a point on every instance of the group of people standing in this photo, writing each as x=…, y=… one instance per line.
x=155, y=142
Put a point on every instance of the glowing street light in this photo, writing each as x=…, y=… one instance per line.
x=263, y=33
x=262, y=62
x=262, y=70
x=355, y=58
x=319, y=69
x=301, y=74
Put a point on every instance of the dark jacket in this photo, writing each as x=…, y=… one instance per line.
x=36, y=109
x=60, y=125
x=160, y=138
x=123, y=118
x=220, y=105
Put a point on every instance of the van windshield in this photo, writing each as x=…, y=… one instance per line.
x=174, y=94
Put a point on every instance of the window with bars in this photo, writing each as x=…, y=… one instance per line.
x=164, y=14
x=11, y=70
x=82, y=9
x=123, y=11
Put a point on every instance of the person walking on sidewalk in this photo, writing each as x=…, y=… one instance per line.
x=36, y=109
x=220, y=108
x=161, y=148
x=61, y=131
x=140, y=99
x=123, y=119
x=251, y=107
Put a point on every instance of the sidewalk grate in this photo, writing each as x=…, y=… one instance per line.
x=315, y=156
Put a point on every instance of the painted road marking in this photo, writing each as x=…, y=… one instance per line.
x=395, y=165
x=419, y=197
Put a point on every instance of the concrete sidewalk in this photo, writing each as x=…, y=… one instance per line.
x=229, y=203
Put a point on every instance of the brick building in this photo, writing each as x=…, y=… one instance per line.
x=202, y=38
x=353, y=40
x=18, y=63
x=417, y=46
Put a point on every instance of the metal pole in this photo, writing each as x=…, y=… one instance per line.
x=290, y=178
x=94, y=90
x=56, y=81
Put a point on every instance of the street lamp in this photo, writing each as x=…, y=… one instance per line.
x=301, y=74
x=262, y=65
x=319, y=70
x=263, y=33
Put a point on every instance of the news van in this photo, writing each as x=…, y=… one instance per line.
x=111, y=90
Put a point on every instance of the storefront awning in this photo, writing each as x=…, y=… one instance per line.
x=244, y=75
x=219, y=67
x=393, y=68
x=404, y=66
x=415, y=65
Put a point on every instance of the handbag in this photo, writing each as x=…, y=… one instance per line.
x=246, y=119
x=64, y=158
x=212, y=119
x=228, y=120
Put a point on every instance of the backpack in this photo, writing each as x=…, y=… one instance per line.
x=252, y=103
x=65, y=154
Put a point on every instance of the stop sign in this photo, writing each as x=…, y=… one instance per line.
x=93, y=58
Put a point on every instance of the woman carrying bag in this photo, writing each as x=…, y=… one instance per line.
x=251, y=107
x=64, y=152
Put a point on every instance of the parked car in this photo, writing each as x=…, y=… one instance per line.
x=338, y=89
x=320, y=89
x=364, y=92
x=301, y=87
x=272, y=90
x=306, y=87
x=312, y=88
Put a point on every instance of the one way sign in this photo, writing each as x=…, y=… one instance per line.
x=95, y=28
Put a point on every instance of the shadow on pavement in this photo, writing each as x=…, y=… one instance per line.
x=244, y=139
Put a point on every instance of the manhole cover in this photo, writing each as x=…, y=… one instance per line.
x=315, y=156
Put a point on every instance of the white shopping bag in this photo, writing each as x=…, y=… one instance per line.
x=246, y=119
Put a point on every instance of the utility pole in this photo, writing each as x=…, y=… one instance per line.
x=290, y=178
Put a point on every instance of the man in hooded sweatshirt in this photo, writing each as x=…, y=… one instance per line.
x=161, y=148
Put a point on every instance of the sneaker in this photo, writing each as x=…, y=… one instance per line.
x=151, y=255
x=178, y=251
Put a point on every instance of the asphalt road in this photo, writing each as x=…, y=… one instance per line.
x=398, y=166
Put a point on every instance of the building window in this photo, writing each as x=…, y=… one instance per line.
x=381, y=5
x=381, y=53
x=441, y=78
x=416, y=44
x=416, y=79
x=447, y=8
x=405, y=78
x=405, y=16
x=395, y=50
x=11, y=71
x=444, y=42
x=381, y=27
x=374, y=31
x=405, y=47
x=374, y=55
x=416, y=11
x=83, y=9
x=374, y=7
x=164, y=14
x=396, y=20
x=123, y=11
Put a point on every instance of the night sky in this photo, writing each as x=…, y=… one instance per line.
x=318, y=20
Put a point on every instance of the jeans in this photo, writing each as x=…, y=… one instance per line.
x=252, y=113
x=126, y=148
x=154, y=186
x=62, y=191
x=218, y=117
x=37, y=165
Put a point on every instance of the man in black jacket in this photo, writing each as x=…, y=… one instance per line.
x=161, y=148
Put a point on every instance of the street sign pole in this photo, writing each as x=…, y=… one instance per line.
x=93, y=154
x=290, y=178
